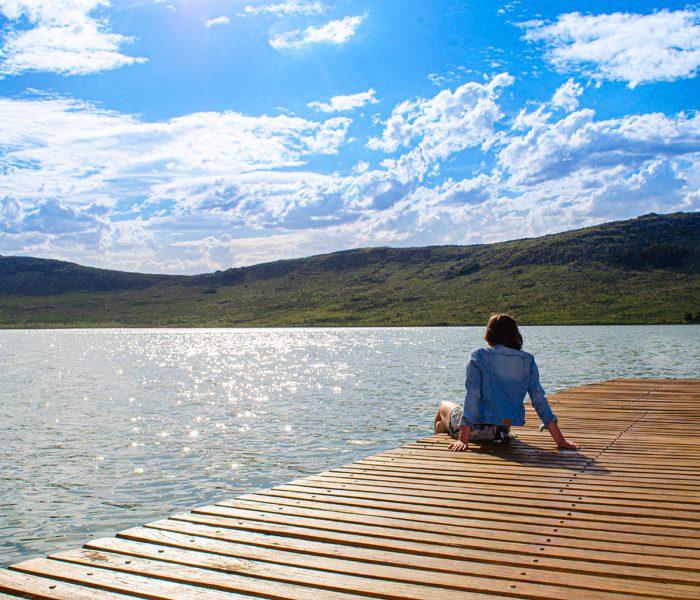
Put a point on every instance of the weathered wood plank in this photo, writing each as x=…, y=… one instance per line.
x=93, y=577
x=442, y=542
x=33, y=586
x=394, y=524
x=223, y=572
x=391, y=566
x=553, y=500
x=529, y=488
x=501, y=511
x=436, y=557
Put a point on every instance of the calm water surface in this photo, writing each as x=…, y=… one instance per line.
x=106, y=429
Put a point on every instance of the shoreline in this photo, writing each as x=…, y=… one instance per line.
x=67, y=327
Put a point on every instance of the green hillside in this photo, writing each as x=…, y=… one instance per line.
x=645, y=270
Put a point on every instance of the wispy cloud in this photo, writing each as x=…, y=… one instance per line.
x=567, y=95
x=450, y=77
x=343, y=103
x=335, y=32
x=216, y=21
x=81, y=149
x=63, y=38
x=634, y=48
x=285, y=9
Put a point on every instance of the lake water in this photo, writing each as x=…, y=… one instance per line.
x=101, y=430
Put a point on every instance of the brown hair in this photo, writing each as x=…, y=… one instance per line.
x=502, y=329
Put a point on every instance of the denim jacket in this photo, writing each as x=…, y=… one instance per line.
x=497, y=380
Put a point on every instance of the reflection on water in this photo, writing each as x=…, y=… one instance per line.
x=105, y=429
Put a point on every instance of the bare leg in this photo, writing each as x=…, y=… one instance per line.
x=442, y=418
x=439, y=426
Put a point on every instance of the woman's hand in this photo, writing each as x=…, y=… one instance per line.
x=559, y=438
x=565, y=445
x=462, y=444
x=458, y=446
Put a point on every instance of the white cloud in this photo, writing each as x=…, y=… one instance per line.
x=567, y=95
x=48, y=216
x=216, y=21
x=447, y=123
x=362, y=166
x=213, y=251
x=50, y=11
x=286, y=9
x=654, y=187
x=61, y=148
x=468, y=191
x=64, y=38
x=335, y=32
x=634, y=48
x=82, y=182
x=213, y=190
x=528, y=120
x=293, y=215
x=135, y=190
x=578, y=142
x=592, y=196
x=451, y=76
x=343, y=103
x=329, y=136
x=560, y=175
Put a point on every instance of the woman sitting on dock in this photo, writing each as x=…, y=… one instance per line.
x=498, y=377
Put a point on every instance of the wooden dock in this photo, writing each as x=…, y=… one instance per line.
x=620, y=519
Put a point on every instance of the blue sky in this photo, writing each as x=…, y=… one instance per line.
x=184, y=136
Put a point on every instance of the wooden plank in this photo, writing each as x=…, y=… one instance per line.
x=552, y=500
x=620, y=489
x=627, y=549
x=287, y=503
x=513, y=514
x=536, y=489
x=398, y=526
x=626, y=475
x=436, y=556
x=92, y=576
x=392, y=566
x=32, y=586
x=220, y=571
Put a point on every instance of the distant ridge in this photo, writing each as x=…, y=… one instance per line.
x=643, y=270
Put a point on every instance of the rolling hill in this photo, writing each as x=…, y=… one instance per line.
x=644, y=270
